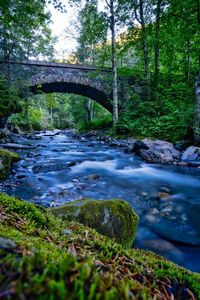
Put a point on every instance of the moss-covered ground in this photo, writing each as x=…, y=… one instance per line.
x=57, y=259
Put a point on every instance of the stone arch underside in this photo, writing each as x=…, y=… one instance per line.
x=84, y=87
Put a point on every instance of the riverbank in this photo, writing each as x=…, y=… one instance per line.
x=57, y=167
x=45, y=257
x=184, y=153
x=151, y=151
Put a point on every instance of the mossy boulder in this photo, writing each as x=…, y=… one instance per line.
x=6, y=159
x=45, y=257
x=114, y=218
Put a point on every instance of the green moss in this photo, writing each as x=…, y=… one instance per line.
x=49, y=264
x=6, y=159
x=114, y=218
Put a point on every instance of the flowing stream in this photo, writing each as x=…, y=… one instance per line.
x=62, y=168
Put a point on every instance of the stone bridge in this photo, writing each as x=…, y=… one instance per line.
x=89, y=81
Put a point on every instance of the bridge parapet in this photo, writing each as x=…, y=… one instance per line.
x=50, y=77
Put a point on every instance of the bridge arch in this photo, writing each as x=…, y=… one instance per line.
x=72, y=85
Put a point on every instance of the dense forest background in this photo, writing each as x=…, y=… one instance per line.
x=155, y=41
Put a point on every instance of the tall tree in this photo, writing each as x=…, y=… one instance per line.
x=24, y=30
x=157, y=45
x=137, y=13
x=112, y=9
x=92, y=32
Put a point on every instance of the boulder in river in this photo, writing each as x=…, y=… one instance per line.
x=5, y=135
x=17, y=146
x=157, y=151
x=6, y=158
x=192, y=153
x=113, y=218
x=52, y=167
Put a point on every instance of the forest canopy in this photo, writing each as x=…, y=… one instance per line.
x=155, y=41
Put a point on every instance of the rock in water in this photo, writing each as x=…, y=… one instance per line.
x=157, y=151
x=191, y=153
x=6, y=158
x=17, y=146
x=113, y=218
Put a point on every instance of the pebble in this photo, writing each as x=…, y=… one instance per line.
x=53, y=204
x=92, y=177
x=7, y=244
x=67, y=231
x=162, y=195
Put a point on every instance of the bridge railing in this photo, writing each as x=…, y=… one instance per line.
x=59, y=65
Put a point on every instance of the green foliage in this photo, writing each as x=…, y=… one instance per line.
x=35, y=118
x=61, y=111
x=168, y=118
x=93, y=27
x=48, y=264
x=104, y=122
x=24, y=30
x=9, y=100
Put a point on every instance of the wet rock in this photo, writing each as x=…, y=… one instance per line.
x=194, y=164
x=191, y=154
x=42, y=146
x=52, y=204
x=5, y=135
x=17, y=146
x=7, y=244
x=21, y=176
x=157, y=151
x=170, y=230
x=59, y=150
x=128, y=145
x=183, y=145
x=51, y=167
x=162, y=195
x=72, y=163
x=57, y=197
x=161, y=246
x=82, y=139
x=183, y=164
x=52, y=133
x=113, y=218
x=92, y=177
x=33, y=155
x=80, y=186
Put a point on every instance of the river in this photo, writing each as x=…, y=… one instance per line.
x=62, y=168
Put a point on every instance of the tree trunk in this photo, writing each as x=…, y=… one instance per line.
x=188, y=60
x=89, y=112
x=145, y=50
x=156, y=48
x=114, y=65
x=51, y=115
x=197, y=109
